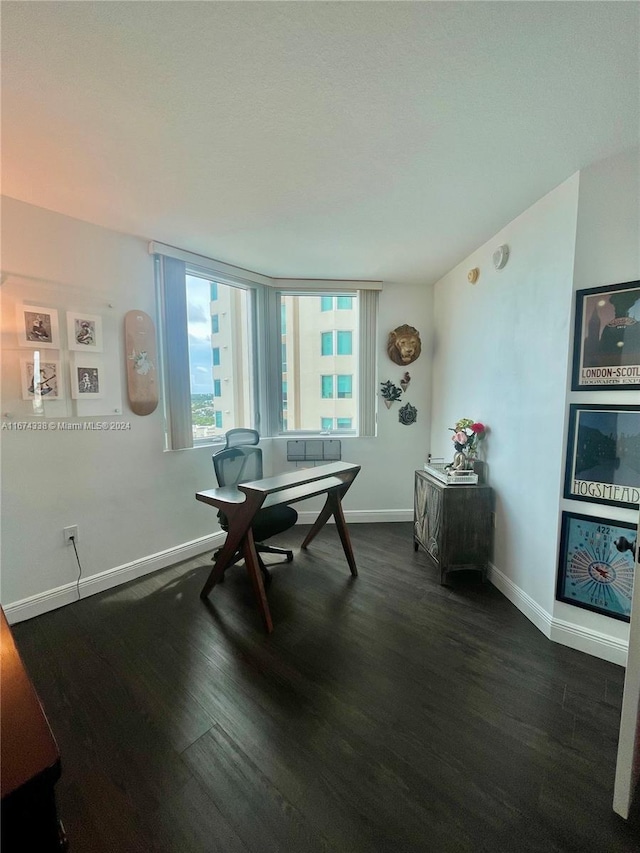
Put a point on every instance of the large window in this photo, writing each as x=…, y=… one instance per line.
x=220, y=376
x=243, y=352
x=322, y=382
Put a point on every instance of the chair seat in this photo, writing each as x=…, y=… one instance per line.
x=273, y=520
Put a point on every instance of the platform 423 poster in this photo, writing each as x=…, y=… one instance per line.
x=596, y=566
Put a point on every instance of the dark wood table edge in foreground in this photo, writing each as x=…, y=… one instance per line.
x=240, y=505
x=30, y=759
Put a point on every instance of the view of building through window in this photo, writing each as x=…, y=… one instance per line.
x=318, y=357
x=319, y=362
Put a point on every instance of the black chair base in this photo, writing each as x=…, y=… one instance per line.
x=271, y=549
x=260, y=549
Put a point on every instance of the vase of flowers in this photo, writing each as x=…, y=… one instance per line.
x=467, y=435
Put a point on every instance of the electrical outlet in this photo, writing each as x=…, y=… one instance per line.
x=69, y=532
x=493, y=519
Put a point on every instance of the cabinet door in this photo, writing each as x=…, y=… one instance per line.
x=428, y=516
x=468, y=528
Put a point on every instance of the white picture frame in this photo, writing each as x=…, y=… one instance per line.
x=50, y=386
x=87, y=378
x=37, y=326
x=84, y=332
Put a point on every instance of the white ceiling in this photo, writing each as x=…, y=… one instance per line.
x=379, y=140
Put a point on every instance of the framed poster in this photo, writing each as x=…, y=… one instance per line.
x=87, y=378
x=596, y=564
x=37, y=327
x=603, y=455
x=84, y=332
x=606, y=348
x=40, y=379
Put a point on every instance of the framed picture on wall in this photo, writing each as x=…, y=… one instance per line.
x=37, y=327
x=596, y=564
x=40, y=379
x=603, y=455
x=606, y=349
x=87, y=378
x=84, y=332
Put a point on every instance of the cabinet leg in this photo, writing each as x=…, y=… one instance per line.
x=415, y=545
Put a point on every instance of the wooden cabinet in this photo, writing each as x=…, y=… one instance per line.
x=452, y=524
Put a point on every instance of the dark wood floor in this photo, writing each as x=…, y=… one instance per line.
x=385, y=713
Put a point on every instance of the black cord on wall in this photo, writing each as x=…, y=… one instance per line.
x=73, y=542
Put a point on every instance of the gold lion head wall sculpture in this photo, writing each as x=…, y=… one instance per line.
x=403, y=345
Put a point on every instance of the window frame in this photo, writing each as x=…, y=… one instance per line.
x=265, y=329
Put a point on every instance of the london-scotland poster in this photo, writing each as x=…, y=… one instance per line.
x=607, y=338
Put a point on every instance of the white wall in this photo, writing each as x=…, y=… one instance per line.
x=134, y=503
x=502, y=350
x=503, y=355
x=607, y=252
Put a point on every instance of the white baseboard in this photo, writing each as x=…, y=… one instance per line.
x=592, y=642
x=525, y=604
x=574, y=636
x=362, y=516
x=566, y=633
x=36, y=605
x=43, y=602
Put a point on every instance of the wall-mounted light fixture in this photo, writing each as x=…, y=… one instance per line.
x=472, y=275
x=501, y=256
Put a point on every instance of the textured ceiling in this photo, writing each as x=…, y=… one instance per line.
x=380, y=140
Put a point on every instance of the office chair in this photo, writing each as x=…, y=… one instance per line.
x=240, y=461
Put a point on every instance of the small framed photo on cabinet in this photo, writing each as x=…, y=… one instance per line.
x=596, y=564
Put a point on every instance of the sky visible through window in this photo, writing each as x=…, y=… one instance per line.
x=199, y=327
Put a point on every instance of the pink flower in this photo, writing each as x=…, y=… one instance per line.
x=477, y=427
x=460, y=437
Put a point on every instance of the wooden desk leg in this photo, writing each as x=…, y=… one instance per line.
x=318, y=524
x=341, y=524
x=239, y=525
x=231, y=545
x=253, y=567
x=333, y=506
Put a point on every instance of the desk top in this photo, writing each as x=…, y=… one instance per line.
x=284, y=488
x=28, y=746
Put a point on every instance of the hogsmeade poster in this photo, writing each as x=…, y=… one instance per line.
x=603, y=455
x=607, y=338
